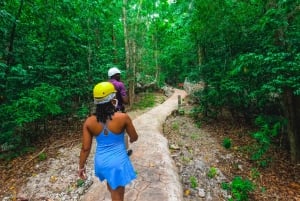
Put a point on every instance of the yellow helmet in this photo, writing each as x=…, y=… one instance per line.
x=104, y=92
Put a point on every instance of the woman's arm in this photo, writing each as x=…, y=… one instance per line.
x=85, y=149
x=130, y=130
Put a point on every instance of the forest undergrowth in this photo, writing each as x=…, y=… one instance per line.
x=278, y=180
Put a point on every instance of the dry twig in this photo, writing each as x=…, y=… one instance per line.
x=33, y=157
x=60, y=145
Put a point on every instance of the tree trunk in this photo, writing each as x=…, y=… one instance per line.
x=155, y=56
x=114, y=41
x=132, y=70
x=200, y=55
x=291, y=101
x=131, y=49
x=292, y=109
x=134, y=59
x=10, y=57
x=128, y=54
x=125, y=33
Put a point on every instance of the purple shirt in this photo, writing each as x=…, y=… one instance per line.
x=121, y=91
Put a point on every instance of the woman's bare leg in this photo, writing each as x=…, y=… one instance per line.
x=117, y=194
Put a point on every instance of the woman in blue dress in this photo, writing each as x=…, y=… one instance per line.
x=108, y=127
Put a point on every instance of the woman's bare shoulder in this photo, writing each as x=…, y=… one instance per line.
x=91, y=119
x=120, y=114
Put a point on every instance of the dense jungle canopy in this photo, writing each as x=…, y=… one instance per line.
x=246, y=52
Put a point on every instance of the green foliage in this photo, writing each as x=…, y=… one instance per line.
x=198, y=124
x=227, y=143
x=175, y=126
x=268, y=73
x=9, y=151
x=247, y=72
x=80, y=182
x=147, y=100
x=250, y=61
x=42, y=156
x=185, y=159
x=193, y=182
x=195, y=112
x=239, y=188
x=83, y=111
x=38, y=103
x=181, y=111
x=50, y=57
x=246, y=53
x=33, y=105
x=212, y=172
x=254, y=173
x=263, y=189
x=195, y=136
x=270, y=127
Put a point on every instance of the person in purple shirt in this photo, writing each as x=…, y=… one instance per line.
x=114, y=75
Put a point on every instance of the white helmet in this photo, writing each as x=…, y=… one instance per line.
x=112, y=71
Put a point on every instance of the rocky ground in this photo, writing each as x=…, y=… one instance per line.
x=203, y=163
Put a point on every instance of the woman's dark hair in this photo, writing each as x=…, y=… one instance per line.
x=104, y=111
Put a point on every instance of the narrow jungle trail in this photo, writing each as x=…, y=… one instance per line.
x=157, y=174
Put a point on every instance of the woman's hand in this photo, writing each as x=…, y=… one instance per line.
x=82, y=173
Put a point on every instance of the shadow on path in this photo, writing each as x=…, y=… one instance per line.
x=157, y=178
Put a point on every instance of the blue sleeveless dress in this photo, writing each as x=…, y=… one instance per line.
x=111, y=160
